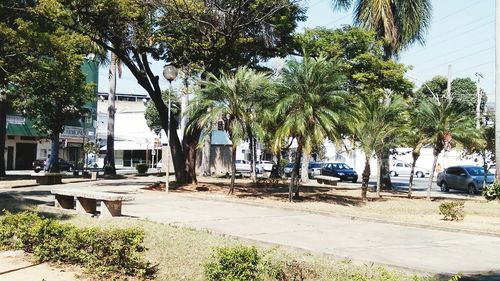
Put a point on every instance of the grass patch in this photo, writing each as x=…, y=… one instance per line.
x=180, y=254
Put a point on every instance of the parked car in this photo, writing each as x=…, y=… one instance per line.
x=399, y=168
x=263, y=166
x=243, y=166
x=64, y=165
x=314, y=169
x=289, y=169
x=339, y=170
x=467, y=178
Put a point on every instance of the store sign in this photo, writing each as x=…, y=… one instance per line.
x=15, y=119
x=70, y=131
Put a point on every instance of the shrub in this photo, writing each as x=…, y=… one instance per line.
x=101, y=251
x=492, y=192
x=234, y=263
x=142, y=168
x=453, y=210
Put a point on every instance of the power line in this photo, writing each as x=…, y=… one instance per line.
x=456, y=12
x=446, y=38
x=478, y=65
x=457, y=59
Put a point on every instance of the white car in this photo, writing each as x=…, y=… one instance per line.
x=400, y=168
x=243, y=166
x=263, y=166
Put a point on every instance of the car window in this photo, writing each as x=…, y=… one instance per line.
x=399, y=164
x=476, y=171
x=407, y=165
x=314, y=165
x=452, y=171
x=460, y=171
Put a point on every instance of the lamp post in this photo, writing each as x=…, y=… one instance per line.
x=170, y=73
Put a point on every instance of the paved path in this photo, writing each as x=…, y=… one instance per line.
x=410, y=247
x=421, y=249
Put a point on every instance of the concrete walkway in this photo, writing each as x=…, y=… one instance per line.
x=425, y=250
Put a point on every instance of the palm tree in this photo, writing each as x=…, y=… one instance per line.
x=400, y=23
x=442, y=123
x=227, y=98
x=375, y=124
x=310, y=103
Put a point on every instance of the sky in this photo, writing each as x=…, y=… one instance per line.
x=461, y=34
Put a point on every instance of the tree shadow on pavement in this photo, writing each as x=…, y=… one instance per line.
x=487, y=276
x=17, y=201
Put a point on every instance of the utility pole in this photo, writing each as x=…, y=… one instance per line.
x=478, y=105
x=497, y=86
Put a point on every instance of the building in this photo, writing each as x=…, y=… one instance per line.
x=23, y=145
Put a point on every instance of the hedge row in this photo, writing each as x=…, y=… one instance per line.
x=101, y=251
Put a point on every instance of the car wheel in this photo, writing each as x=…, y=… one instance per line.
x=419, y=174
x=444, y=187
x=70, y=168
x=354, y=181
x=37, y=170
x=393, y=174
x=320, y=181
x=471, y=189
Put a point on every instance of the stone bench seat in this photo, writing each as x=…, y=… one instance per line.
x=327, y=180
x=86, y=201
x=48, y=178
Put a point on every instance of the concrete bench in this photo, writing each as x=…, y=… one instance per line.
x=48, y=178
x=327, y=180
x=86, y=201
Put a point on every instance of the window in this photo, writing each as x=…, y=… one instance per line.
x=399, y=164
x=452, y=171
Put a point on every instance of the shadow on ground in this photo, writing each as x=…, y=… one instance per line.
x=16, y=201
x=488, y=276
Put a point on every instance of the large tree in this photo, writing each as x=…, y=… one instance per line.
x=136, y=31
x=310, y=104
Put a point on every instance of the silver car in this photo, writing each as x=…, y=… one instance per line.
x=467, y=178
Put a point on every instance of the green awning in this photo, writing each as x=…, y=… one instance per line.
x=25, y=129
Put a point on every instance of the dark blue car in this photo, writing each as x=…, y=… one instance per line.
x=339, y=170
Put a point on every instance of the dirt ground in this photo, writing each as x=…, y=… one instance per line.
x=16, y=265
x=345, y=199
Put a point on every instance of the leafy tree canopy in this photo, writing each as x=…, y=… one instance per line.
x=361, y=58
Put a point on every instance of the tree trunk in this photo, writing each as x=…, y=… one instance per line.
x=385, y=170
x=431, y=178
x=298, y=159
x=304, y=174
x=3, y=131
x=366, y=178
x=233, y=168
x=379, y=169
x=206, y=154
x=190, y=144
x=110, y=141
x=253, y=161
x=54, y=153
x=412, y=173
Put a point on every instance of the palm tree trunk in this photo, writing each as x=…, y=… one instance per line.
x=253, y=161
x=385, y=170
x=431, y=178
x=233, y=168
x=110, y=142
x=3, y=131
x=366, y=178
x=412, y=173
x=206, y=154
x=298, y=160
x=190, y=143
x=304, y=174
x=415, y=155
x=379, y=169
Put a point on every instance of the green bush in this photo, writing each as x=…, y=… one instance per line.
x=234, y=263
x=492, y=192
x=101, y=251
x=453, y=210
x=142, y=168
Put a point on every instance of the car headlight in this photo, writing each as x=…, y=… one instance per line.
x=341, y=174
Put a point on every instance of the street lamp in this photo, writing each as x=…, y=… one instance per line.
x=170, y=73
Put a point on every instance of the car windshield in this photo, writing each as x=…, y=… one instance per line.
x=315, y=165
x=289, y=165
x=477, y=171
x=340, y=166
